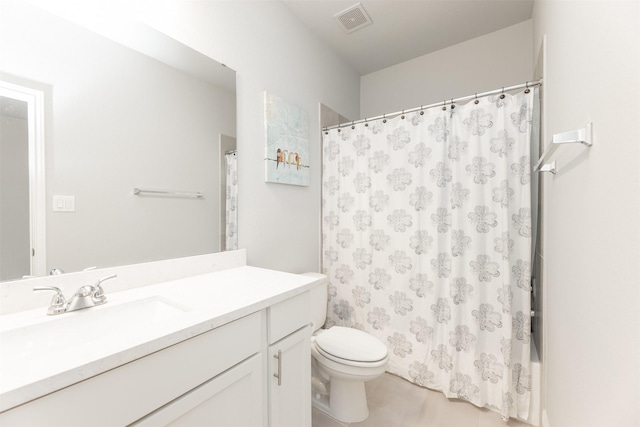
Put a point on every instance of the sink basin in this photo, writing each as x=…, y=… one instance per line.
x=82, y=332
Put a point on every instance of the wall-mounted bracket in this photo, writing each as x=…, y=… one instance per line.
x=549, y=167
x=582, y=136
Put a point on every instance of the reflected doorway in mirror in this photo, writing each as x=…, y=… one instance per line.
x=22, y=167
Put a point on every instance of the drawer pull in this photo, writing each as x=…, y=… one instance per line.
x=278, y=375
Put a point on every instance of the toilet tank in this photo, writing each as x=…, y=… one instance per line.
x=318, y=301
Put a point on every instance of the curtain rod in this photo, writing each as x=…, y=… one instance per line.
x=441, y=104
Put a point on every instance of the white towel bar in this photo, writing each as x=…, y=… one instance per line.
x=582, y=136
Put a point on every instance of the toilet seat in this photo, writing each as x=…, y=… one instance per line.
x=351, y=346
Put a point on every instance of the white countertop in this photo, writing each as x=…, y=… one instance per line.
x=201, y=303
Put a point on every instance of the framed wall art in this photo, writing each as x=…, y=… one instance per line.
x=287, y=142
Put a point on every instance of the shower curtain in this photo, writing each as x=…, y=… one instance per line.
x=231, y=214
x=427, y=244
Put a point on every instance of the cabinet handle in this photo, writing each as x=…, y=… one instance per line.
x=279, y=374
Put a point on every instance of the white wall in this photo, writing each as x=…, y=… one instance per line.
x=119, y=120
x=502, y=58
x=591, y=214
x=271, y=51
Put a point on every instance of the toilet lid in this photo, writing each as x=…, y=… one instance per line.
x=351, y=344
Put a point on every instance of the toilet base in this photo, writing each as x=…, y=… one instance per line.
x=347, y=401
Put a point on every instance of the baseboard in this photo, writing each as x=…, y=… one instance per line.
x=545, y=419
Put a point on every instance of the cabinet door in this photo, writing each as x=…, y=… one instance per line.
x=232, y=399
x=290, y=381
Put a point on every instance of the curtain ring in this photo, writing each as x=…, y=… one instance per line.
x=476, y=101
x=352, y=125
x=502, y=96
x=421, y=111
x=366, y=124
x=384, y=118
x=326, y=132
x=444, y=107
x=527, y=90
x=452, y=105
x=402, y=116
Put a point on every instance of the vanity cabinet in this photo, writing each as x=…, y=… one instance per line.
x=289, y=357
x=253, y=371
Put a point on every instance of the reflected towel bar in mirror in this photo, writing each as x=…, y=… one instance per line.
x=170, y=193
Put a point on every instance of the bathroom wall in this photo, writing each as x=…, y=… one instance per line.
x=502, y=58
x=271, y=51
x=591, y=246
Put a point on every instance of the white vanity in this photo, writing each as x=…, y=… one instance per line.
x=224, y=348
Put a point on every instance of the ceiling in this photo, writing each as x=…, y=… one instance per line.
x=405, y=29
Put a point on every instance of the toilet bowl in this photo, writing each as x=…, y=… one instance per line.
x=346, y=369
x=343, y=359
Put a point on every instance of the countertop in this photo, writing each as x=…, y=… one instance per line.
x=196, y=304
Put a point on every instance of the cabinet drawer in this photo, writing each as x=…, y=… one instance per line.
x=131, y=391
x=289, y=316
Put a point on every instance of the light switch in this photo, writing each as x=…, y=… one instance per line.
x=64, y=203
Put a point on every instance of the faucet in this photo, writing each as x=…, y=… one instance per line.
x=85, y=297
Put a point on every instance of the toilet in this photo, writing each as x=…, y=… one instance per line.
x=342, y=360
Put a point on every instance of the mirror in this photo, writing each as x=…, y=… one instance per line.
x=156, y=115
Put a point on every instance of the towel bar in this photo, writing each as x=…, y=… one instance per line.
x=582, y=136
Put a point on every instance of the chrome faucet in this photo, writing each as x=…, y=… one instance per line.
x=85, y=297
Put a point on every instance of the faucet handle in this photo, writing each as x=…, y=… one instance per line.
x=58, y=302
x=98, y=295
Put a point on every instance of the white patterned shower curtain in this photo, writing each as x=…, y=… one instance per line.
x=427, y=245
x=231, y=215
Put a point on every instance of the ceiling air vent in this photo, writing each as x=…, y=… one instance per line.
x=353, y=18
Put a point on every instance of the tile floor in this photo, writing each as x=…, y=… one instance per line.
x=395, y=402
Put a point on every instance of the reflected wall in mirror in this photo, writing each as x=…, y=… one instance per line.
x=116, y=119
x=15, y=243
